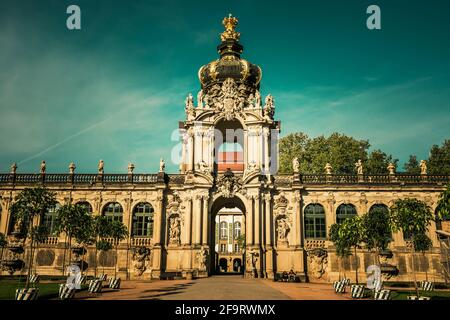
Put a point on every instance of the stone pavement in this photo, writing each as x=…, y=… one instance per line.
x=217, y=288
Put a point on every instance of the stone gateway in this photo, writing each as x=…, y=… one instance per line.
x=228, y=210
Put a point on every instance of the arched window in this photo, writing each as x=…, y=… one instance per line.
x=380, y=207
x=345, y=211
x=223, y=230
x=113, y=211
x=142, y=220
x=48, y=220
x=315, y=227
x=237, y=230
x=85, y=205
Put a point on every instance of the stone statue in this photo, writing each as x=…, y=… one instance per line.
x=162, y=165
x=423, y=167
x=14, y=168
x=101, y=166
x=282, y=230
x=296, y=165
x=72, y=168
x=43, y=167
x=203, y=167
x=130, y=168
x=200, y=99
x=391, y=168
x=202, y=258
x=206, y=101
x=252, y=262
x=257, y=99
x=190, y=109
x=359, y=167
x=269, y=108
x=251, y=101
x=140, y=256
x=328, y=168
x=317, y=262
x=174, y=231
x=252, y=166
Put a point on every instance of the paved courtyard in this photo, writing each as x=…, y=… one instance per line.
x=217, y=288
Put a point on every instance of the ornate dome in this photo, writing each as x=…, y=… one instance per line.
x=230, y=64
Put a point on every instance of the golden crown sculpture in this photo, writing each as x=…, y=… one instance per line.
x=230, y=33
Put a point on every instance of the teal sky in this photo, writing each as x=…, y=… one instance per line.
x=115, y=90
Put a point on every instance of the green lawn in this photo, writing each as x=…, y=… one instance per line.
x=46, y=290
x=435, y=295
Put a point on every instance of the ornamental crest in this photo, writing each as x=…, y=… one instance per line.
x=229, y=99
x=228, y=185
x=281, y=202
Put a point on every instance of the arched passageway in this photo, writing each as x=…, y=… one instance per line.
x=227, y=236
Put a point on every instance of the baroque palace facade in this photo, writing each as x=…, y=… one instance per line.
x=175, y=219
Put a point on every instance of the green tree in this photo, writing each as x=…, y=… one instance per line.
x=101, y=230
x=342, y=248
x=3, y=244
x=413, y=217
x=31, y=203
x=439, y=160
x=339, y=150
x=377, y=231
x=352, y=230
x=73, y=221
x=118, y=232
x=378, y=161
x=292, y=146
x=412, y=166
x=443, y=205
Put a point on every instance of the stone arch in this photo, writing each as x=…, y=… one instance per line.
x=218, y=202
x=108, y=203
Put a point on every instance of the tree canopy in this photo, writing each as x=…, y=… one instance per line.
x=341, y=151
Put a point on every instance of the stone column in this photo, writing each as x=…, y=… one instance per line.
x=191, y=152
x=188, y=223
x=245, y=149
x=183, y=154
x=159, y=218
x=297, y=219
x=257, y=220
x=266, y=133
x=205, y=221
x=249, y=222
x=197, y=220
x=268, y=237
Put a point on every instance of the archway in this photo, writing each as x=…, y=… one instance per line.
x=229, y=146
x=227, y=236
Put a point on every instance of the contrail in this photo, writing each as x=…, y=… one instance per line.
x=89, y=128
x=64, y=141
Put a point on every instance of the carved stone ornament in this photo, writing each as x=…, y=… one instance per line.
x=189, y=107
x=173, y=202
x=280, y=202
x=174, y=230
x=140, y=256
x=229, y=100
x=228, y=185
x=317, y=262
x=283, y=228
x=202, y=258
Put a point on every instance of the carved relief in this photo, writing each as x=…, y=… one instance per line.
x=174, y=230
x=317, y=262
x=228, y=185
x=141, y=256
x=202, y=258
